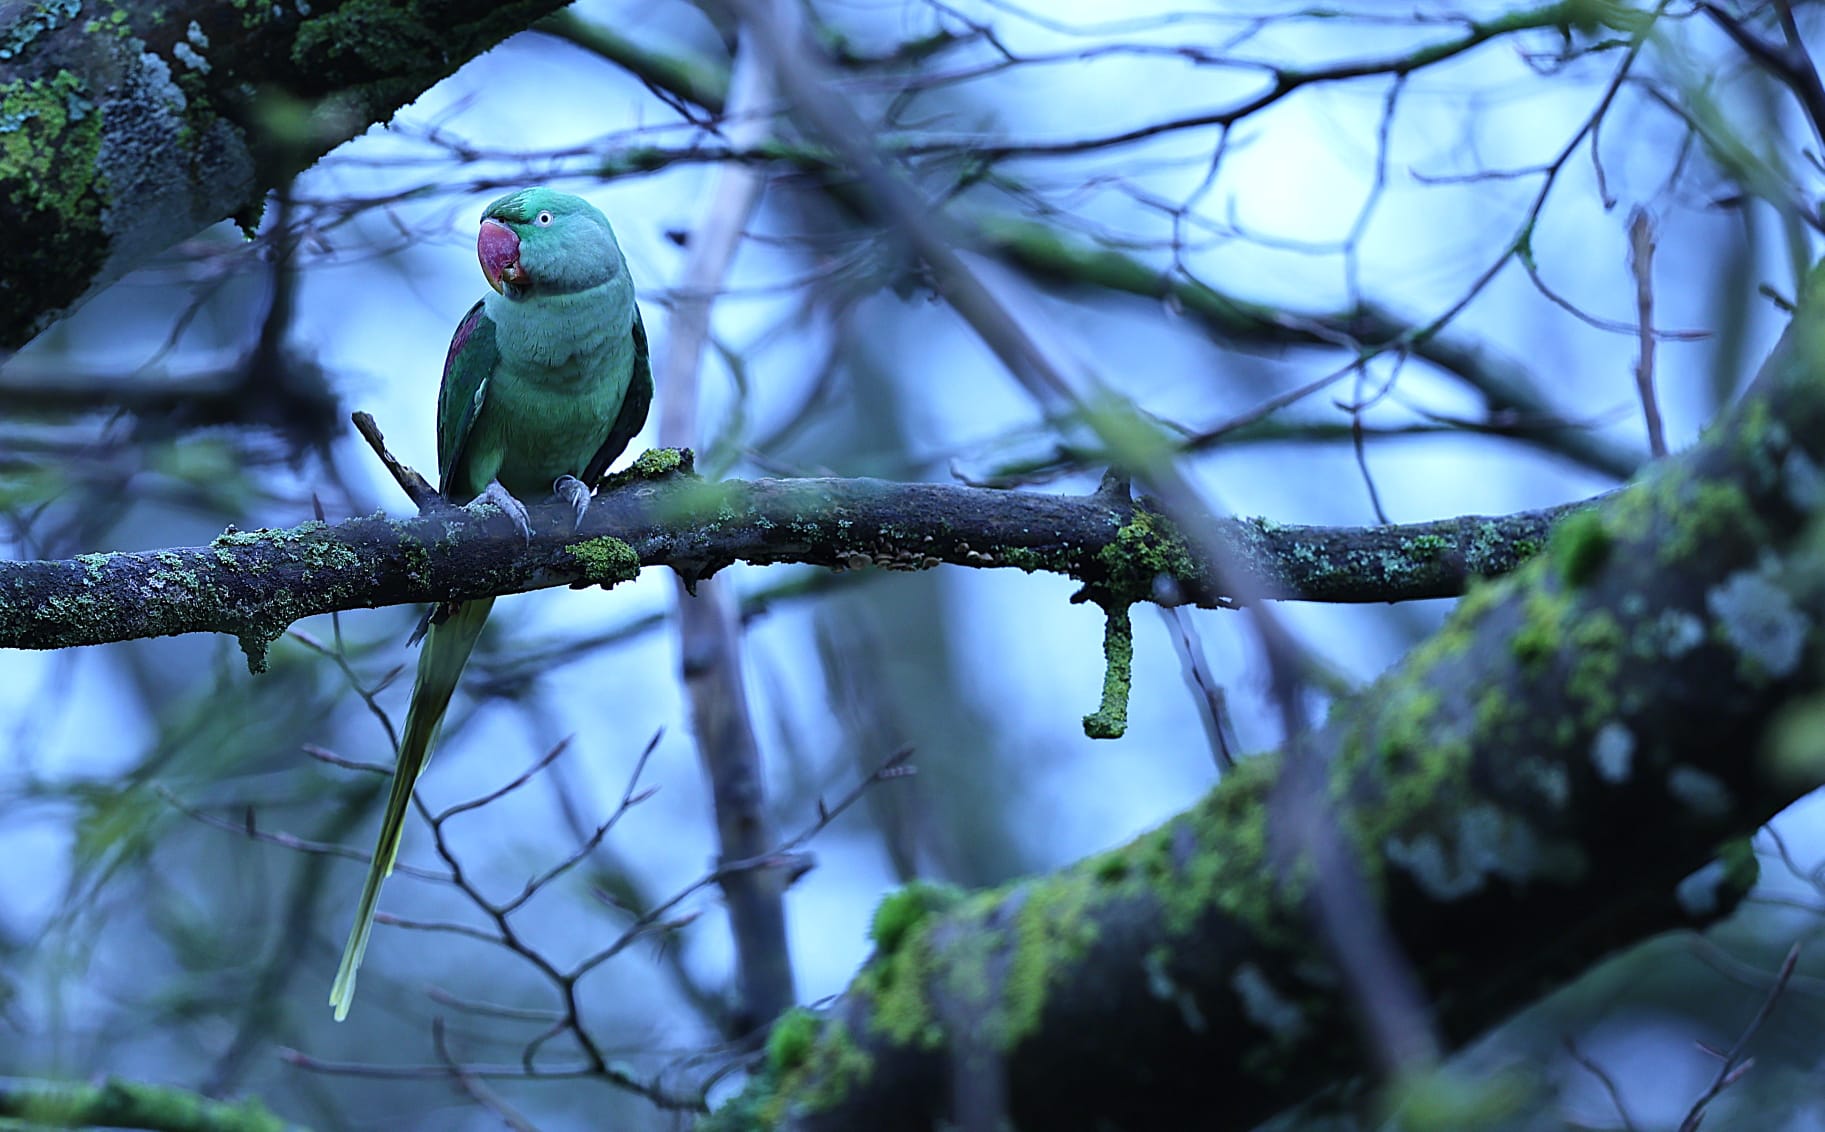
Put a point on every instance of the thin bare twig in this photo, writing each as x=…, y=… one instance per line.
x=471, y=1087
x=1603, y=1077
x=1201, y=680
x=422, y=494
x=1732, y=1063
x=1641, y=263
x=895, y=765
x=246, y=828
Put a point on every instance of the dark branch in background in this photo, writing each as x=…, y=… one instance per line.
x=709, y=622
x=1788, y=62
x=1515, y=405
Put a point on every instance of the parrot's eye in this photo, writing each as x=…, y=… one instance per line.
x=543, y=219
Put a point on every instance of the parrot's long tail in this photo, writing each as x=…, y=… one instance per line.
x=440, y=664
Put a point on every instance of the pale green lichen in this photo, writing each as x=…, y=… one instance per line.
x=837, y=1064
x=1053, y=928
x=1110, y=719
x=1544, y=618
x=1580, y=545
x=1426, y=548
x=50, y=134
x=1143, y=550
x=605, y=560
x=895, y=988
x=1705, y=513
x=656, y=462
x=40, y=18
x=903, y=909
x=790, y=1042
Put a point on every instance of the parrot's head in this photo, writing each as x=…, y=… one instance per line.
x=540, y=241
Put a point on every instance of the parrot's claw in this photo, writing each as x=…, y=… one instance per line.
x=574, y=492
x=504, y=501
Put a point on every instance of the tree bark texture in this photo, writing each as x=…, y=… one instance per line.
x=252, y=584
x=125, y=128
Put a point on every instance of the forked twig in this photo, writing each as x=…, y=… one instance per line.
x=422, y=494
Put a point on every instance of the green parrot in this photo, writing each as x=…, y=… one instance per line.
x=546, y=381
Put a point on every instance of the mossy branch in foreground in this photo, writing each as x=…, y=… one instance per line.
x=1480, y=787
x=128, y=1104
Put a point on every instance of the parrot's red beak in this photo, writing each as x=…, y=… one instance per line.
x=499, y=250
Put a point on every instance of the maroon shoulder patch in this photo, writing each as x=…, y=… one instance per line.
x=464, y=330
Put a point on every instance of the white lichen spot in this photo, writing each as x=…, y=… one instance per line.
x=1164, y=987
x=1760, y=621
x=1802, y=481
x=158, y=73
x=1265, y=1006
x=1553, y=781
x=1612, y=751
x=1699, y=791
x=1700, y=894
x=196, y=37
x=1680, y=632
x=188, y=56
x=1489, y=843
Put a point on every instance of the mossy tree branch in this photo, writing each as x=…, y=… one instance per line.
x=254, y=584
x=130, y=1104
x=125, y=128
x=1571, y=765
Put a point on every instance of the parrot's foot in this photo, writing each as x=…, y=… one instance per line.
x=509, y=506
x=574, y=492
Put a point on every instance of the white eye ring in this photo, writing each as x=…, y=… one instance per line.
x=543, y=219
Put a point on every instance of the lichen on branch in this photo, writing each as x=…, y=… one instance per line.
x=252, y=584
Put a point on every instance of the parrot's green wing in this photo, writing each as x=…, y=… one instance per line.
x=632, y=416
x=467, y=367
